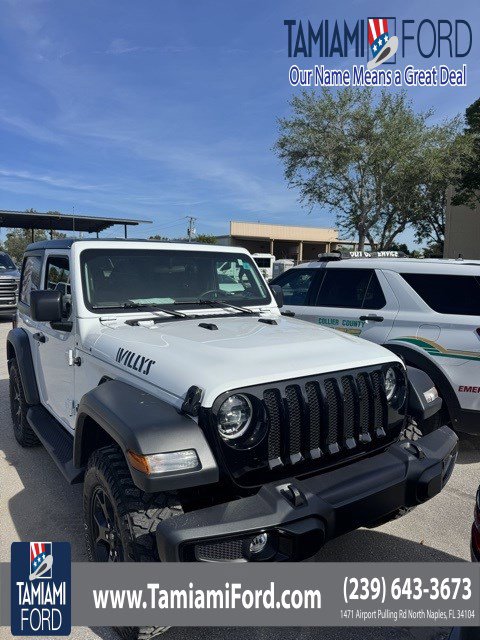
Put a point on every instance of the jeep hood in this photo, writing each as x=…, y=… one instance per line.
x=239, y=352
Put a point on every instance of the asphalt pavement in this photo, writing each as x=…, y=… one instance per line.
x=36, y=503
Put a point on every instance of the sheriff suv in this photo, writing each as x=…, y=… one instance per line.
x=425, y=310
x=203, y=424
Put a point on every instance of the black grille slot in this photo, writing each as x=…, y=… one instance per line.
x=314, y=405
x=334, y=418
x=294, y=417
x=364, y=402
x=349, y=411
x=273, y=401
x=379, y=403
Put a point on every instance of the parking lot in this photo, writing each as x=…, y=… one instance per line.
x=36, y=503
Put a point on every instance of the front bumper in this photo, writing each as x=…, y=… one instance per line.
x=299, y=516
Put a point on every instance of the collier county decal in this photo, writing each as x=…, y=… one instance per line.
x=40, y=585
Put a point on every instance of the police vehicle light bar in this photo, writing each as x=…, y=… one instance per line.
x=347, y=255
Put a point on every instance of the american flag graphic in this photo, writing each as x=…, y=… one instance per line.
x=378, y=36
x=39, y=552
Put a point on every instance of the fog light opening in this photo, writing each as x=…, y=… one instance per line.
x=258, y=543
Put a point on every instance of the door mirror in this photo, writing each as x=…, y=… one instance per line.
x=46, y=306
x=277, y=294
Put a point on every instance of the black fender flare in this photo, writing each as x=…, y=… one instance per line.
x=18, y=347
x=412, y=357
x=144, y=424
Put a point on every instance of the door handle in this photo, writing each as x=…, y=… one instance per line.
x=288, y=313
x=39, y=337
x=372, y=317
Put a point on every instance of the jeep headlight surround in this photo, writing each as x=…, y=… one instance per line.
x=390, y=383
x=234, y=417
x=395, y=385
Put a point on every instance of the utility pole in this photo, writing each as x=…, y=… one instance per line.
x=191, y=227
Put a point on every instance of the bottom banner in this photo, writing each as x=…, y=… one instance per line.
x=254, y=594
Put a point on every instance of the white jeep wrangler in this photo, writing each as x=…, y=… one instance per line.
x=169, y=392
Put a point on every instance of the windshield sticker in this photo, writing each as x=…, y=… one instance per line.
x=133, y=361
x=246, y=265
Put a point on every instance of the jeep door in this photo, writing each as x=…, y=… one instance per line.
x=358, y=301
x=56, y=343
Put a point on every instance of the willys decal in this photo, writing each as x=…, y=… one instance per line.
x=134, y=361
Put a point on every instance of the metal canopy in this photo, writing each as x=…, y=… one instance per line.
x=63, y=222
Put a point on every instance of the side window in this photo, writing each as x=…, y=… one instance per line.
x=296, y=285
x=57, y=278
x=459, y=295
x=32, y=266
x=351, y=289
x=374, y=298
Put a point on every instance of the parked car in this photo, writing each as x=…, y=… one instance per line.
x=264, y=262
x=9, y=279
x=203, y=424
x=426, y=311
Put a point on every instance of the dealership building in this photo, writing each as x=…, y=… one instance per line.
x=284, y=241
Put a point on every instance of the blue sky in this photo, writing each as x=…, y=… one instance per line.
x=160, y=109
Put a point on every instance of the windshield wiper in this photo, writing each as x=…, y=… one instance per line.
x=224, y=304
x=156, y=307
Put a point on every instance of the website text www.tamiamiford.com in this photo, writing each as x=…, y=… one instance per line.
x=232, y=596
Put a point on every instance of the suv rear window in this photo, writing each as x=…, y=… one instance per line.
x=453, y=295
x=350, y=289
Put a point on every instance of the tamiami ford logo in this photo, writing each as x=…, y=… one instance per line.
x=40, y=586
x=380, y=47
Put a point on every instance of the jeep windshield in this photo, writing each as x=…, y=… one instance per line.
x=131, y=279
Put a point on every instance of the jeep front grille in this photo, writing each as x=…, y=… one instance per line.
x=316, y=422
x=311, y=420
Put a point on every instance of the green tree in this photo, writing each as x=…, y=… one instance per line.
x=439, y=168
x=359, y=153
x=205, y=238
x=467, y=188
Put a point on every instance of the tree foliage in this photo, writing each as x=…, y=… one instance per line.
x=205, y=238
x=467, y=189
x=364, y=155
x=442, y=163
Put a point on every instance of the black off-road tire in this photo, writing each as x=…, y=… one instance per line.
x=415, y=430
x=24, y=434
x=136, y=516
x=140, y=633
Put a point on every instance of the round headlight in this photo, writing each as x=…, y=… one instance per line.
x=390, y=382
x=234, y=417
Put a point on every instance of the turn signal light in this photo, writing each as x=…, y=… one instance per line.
x=164, y=462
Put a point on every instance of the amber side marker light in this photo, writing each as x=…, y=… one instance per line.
x=165, y=462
